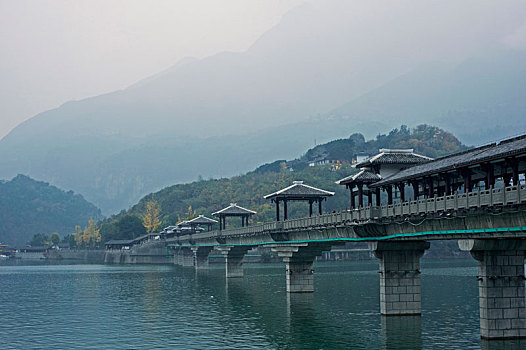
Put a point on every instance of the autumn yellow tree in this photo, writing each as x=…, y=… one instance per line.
x=190, y=214
x=91, y=234
x=78, y=236
x=150, y=219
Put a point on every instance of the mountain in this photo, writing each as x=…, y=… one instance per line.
x=480, y=100
x=28, y=207
x=225, y=114
x=184, y=201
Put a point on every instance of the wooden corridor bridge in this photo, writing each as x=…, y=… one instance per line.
x=477, y=197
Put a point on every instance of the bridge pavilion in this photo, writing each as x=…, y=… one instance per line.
x=480, y=167
x=201, y=220
x=383, y=165
x=233, y=210
x=298, y=191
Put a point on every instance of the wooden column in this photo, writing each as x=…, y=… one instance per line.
x=377, y=194
x=319, y=206
x=310, y=208
x=514, y=171
x=447, y=179
x=369, y=197
x=401, y=187
x=416, y=191
x=224, y=222
x=353, y=202
x=242, y=221
x=389, y=194
x=466, y=173
x=285, y=214
x=220, y=223
x=430, y=188
x=360, y=195
x=491, y=175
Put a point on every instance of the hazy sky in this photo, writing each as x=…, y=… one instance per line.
x=53, y=51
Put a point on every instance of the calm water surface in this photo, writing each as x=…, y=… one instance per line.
x=169, y=307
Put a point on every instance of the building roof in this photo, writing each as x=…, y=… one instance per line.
x=394, y=156
x=234, y=210
x=510, y=147
x=364, y=176
x=298, y=190
x=202, y=220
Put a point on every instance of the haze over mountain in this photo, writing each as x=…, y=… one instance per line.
x=28, y=207
x=327, y=70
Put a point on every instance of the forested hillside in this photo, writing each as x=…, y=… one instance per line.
x=185, y=201
x=28, y=207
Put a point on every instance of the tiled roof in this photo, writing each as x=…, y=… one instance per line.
x=202, y=220
x=298, y=190
x=364, y=176
x=511, y=147
x=234, y=209
x=394, y=156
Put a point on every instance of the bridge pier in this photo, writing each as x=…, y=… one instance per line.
x=501, y=286
x=183, y=257
x=400, y=276
x=200, y=257
x=299, y=260
x=234, y=259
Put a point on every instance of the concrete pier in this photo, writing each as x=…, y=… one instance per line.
x=201, y=257
x=183, y=256
x=234, y=259
x=501, y=286
x=299, y=260
x=400, y=276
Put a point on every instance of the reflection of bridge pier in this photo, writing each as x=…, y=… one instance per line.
x=409, y=326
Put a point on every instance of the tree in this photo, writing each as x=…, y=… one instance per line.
x=55, y=238
x=190, y=214
x=129, y=227
x=91, y=234
x=78, y=236
x=150, y=219
x=39, y=239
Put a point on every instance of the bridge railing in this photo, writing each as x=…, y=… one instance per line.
x=476, y=199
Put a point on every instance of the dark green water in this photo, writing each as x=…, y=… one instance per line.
x=168, y=307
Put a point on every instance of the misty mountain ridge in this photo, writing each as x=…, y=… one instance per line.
x=327, y=70
x=28, y=207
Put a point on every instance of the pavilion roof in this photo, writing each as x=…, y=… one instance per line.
x=202, y=220
x=365, y=176
x=394, y=156
x=298, y=190
x=234, y=210
x=511, y=147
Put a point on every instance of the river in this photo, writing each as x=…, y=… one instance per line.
x=46, y=306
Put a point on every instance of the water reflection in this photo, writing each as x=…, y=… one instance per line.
x=503, y=344
x=169, y=307
x=394, y=326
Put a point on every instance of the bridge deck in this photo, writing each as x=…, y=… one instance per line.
x=447, y=206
